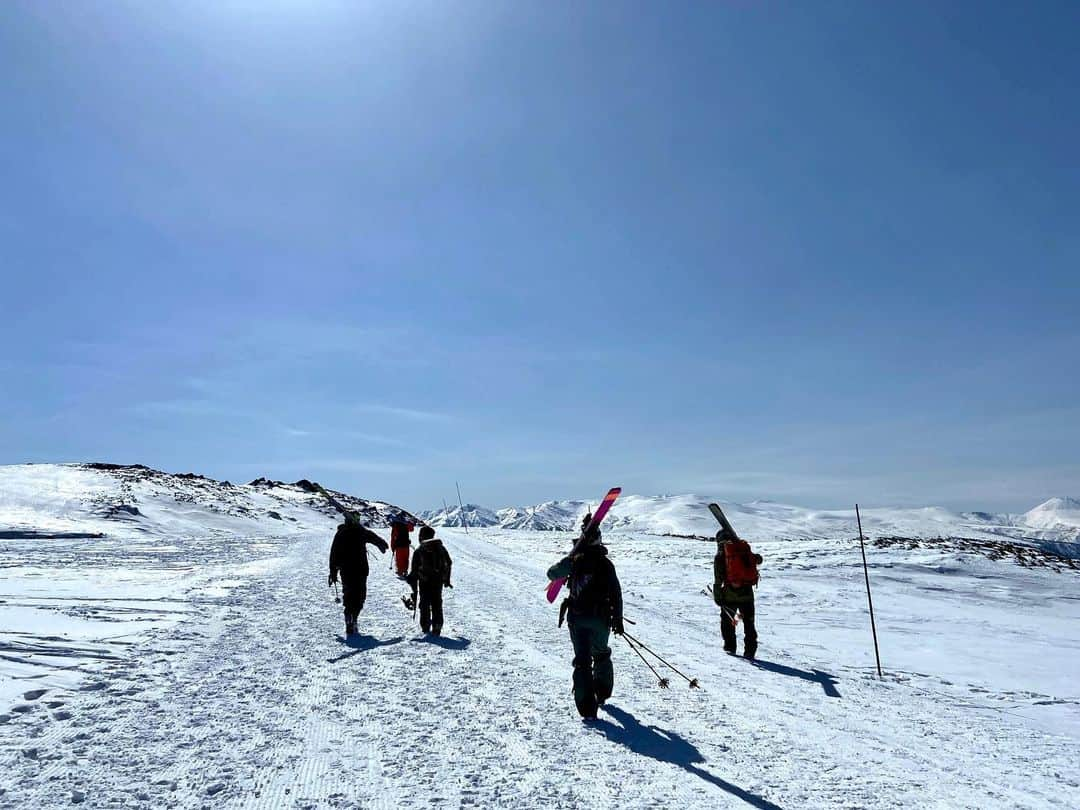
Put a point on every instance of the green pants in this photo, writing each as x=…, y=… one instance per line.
x=594, y=677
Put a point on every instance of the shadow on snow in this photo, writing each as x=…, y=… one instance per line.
x=444, y=642
x=827, y=681
x=360, y=643
x=666, y=746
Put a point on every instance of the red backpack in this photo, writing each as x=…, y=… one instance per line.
x=740, y=564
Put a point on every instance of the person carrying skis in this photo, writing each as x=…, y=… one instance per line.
x=735, y=575
x=400, y=543
x=594, y=609
x=348, y=558
x=430, y=573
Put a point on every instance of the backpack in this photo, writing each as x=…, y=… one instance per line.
x=740, y=564
x=431, y=563
x=590, y=585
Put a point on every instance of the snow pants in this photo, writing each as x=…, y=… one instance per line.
x=728, y=612
x=594, y=676
x=401, y=560
x=431, y=616
x=353, y=593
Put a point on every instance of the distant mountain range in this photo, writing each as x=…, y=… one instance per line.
x=133, y=500
x=1057, y=521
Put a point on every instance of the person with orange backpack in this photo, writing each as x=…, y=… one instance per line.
x=734, y=576
x=400, y=527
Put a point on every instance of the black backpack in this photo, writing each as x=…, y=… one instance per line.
x=432, y=563
x=590, y=585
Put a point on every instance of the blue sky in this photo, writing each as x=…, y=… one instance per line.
x=816, y=252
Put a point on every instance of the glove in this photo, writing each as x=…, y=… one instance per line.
x=617, y=626
x=330, y=580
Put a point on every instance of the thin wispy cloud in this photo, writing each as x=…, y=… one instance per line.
x=316, y=466
x=411, y=414
x=343, y=435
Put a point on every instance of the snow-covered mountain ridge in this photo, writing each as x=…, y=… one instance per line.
x=1057, y=521
x=133, y=500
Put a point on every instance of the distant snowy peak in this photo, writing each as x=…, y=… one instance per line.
x=1056, y=513
x=552, y=516
x=470, y=515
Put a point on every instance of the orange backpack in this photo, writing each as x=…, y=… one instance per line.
x=740, y=564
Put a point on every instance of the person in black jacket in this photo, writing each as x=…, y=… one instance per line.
x=594, y=609
x=430, y=573
x=348, y=558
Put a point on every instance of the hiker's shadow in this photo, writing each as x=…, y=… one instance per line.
x=444, y=642
x=827, y=681
x=666, y=746
x=361, y=643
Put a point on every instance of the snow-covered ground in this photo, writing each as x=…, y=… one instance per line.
x=94, y=556
x=210, y=671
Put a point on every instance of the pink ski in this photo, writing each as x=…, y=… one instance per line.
x=602, y=510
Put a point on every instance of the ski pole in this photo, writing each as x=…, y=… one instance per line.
x=692, y=681
x=464, y=522
x=733, y=615
x=664, y=682
x=869, y=600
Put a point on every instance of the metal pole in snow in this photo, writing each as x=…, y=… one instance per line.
x=869, y=600
x=464, y=522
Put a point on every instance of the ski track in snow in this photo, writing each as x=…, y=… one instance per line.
x=253, y=699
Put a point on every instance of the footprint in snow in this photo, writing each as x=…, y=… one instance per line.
x=34, y=694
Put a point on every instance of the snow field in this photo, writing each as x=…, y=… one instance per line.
x=252, y=699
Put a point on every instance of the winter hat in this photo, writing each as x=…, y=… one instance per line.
x=724, y=535
x=426, y=533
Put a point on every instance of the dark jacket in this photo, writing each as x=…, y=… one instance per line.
x=723, y=592
x=431, y=563
x=595, y=591
x=348, y=553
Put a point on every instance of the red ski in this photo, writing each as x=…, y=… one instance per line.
x=602, y=510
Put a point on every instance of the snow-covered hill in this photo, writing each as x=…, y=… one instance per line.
x=1059, y=514
x=136, y=501
x=1055, y=523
